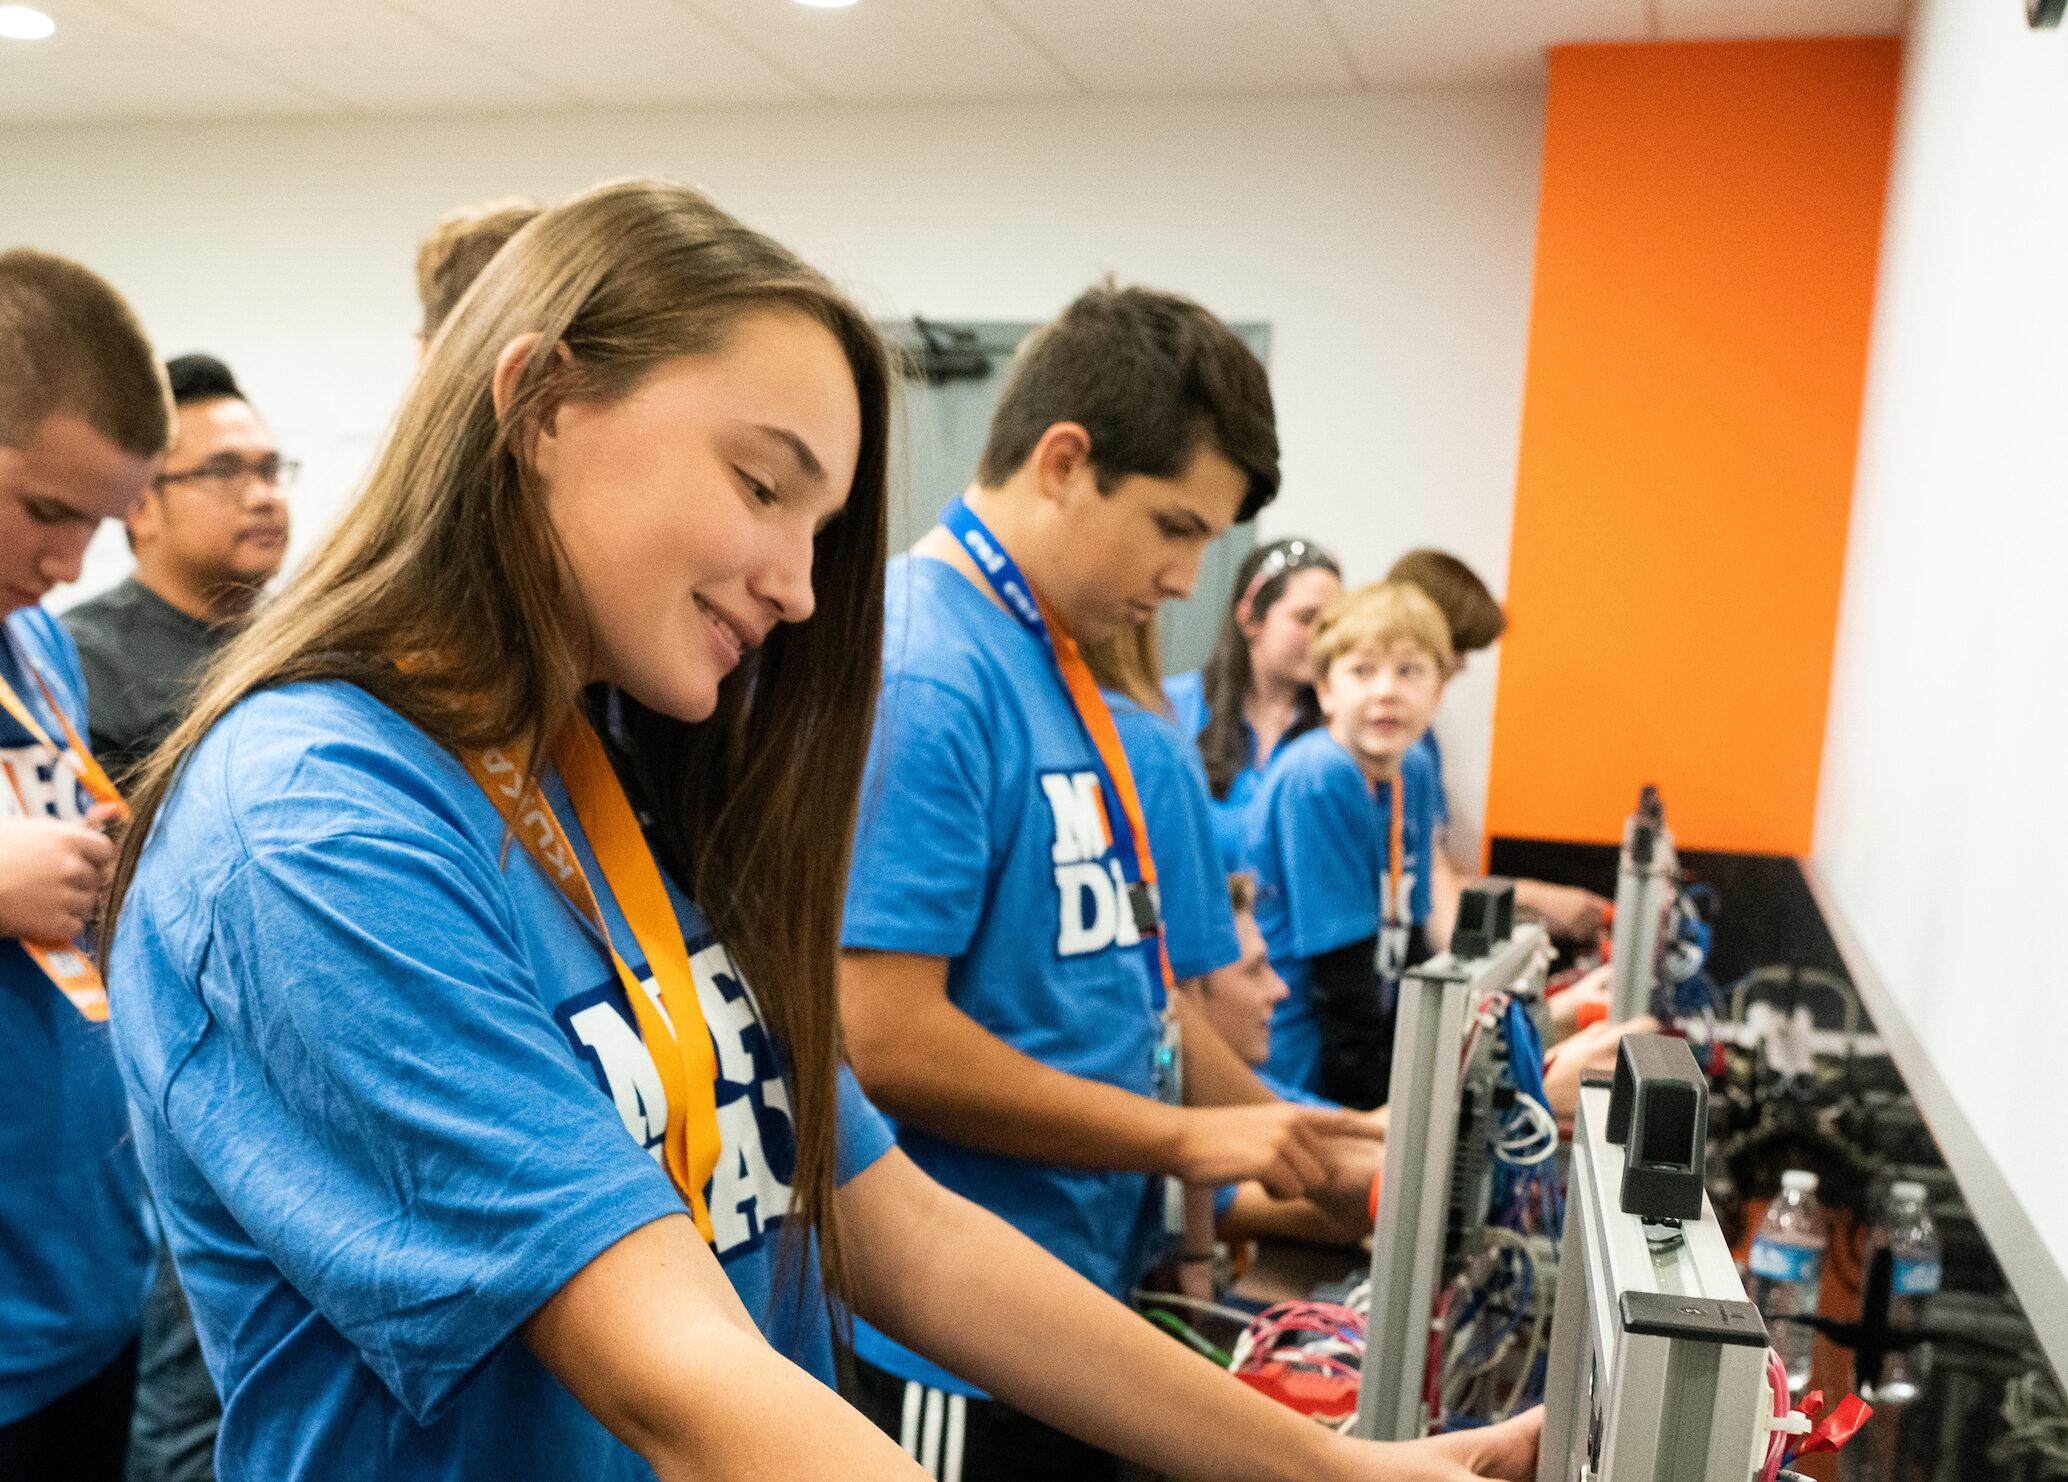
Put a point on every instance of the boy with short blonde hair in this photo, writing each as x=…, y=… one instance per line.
x=1342, y=840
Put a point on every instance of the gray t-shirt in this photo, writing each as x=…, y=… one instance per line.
x=143, y=659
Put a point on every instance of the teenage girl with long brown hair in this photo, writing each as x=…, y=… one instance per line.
x=520, y=824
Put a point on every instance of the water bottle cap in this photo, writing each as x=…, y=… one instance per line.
x=1906, y=1191
x=1801, y=1180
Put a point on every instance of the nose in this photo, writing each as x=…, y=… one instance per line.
x=61, y=558
x=783, y=577
x=1177, y=580
x=1277, y=985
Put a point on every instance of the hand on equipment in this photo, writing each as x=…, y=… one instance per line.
x=1284, y=1147
x=1566, y=1003
x=1506, y=1452
x=1590, y=1051
x=52, y=875
x=1568, y=912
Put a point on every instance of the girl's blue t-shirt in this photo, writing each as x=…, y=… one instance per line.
x=391, y=1097
x=1319, y=843
x=1191, y=885
x=74, y=1255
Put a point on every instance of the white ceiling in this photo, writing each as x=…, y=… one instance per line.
x=162, y=59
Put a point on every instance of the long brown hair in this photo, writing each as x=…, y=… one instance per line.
x=442, y=594
x=1131, y=661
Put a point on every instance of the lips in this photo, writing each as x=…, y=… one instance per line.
x=731, y=640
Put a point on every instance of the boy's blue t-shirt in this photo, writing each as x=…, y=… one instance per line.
x=74, y=1256
x=383, y=1077
x=1319, y=845
x=980, y=841
x=1191, y=886
x=1433, y=750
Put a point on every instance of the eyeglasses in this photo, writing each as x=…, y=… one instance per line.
x=226, y=475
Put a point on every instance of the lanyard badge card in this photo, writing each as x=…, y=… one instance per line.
x=71, y=970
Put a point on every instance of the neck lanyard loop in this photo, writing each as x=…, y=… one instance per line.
x=1116, y=777
x=671, y=1020
x=69, y=969
x=1396, y=851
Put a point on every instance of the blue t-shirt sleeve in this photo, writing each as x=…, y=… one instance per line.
x=922, y=853
x=864, y=1135
x=1432, y=750
x=373, y=1088
x=1322, y=824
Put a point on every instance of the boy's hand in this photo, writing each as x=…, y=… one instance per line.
x=1594, y=1050
x=1568, y=912
x=1282, y=1146
x=52, y=875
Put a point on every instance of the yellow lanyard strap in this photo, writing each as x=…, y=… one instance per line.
x=671, y=1021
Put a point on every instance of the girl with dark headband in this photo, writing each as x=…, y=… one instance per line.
x=1257, y=689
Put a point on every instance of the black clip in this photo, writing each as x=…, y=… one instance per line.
x=1659, y=1112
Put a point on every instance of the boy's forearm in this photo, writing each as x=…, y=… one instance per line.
x=931, y=1065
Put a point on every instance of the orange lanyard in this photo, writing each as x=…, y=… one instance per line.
x=671, y=1021
x=1097, y=718
x=1396, y=850
x=62, y=962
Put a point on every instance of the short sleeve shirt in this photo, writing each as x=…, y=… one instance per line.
x=391, y=1097
x=980, y=840
x=1319, y=843
x=74, y=1257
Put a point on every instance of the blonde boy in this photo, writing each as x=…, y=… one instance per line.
x=1342, y=839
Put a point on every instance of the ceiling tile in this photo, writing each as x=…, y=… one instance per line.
x=881, y=50
x=363, y=56
x=1188, y=46
x=1416, y=41
x=1709, y=20
x=614, y=51
x=105, y=64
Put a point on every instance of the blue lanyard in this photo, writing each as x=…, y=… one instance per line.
x=1013, y=589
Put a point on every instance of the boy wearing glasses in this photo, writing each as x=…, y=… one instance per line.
x=208, y=535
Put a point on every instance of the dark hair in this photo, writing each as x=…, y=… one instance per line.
x=68, y=343
x=1152, y=377
x=197, y=378
x=1224, y=739
x=1476, y=620
x=442, y=594
x=458, y=248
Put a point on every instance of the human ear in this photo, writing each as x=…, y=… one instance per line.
x=1061, y=461
x=509, y=370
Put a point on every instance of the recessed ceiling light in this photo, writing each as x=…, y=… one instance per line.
x=24, y=23
x=827, y=4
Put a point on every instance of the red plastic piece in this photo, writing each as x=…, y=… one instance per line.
x=1589, y=1014
x=1837, y=1428
x=1304, y=1390
x=1375, y=1180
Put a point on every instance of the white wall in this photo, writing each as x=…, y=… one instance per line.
x=1943, y=812
x=1387, y=240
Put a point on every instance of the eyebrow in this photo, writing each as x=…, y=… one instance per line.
x=807, y=460
x=1188, y=518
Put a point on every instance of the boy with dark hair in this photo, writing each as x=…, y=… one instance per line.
x=208, y=536
x=1476, y=623
x=83, y=425
x=1005, y=989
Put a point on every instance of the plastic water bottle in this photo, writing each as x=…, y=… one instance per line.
x=1788, y=1268
x=1906, y=1231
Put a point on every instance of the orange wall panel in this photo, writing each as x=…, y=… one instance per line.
x=1706, y=250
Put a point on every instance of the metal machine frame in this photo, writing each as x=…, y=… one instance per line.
x=1408, y=1238
x=1657, y=1363
x=1646, y=876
